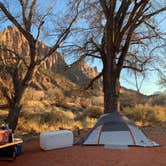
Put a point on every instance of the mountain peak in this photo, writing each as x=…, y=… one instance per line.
x=15, y=41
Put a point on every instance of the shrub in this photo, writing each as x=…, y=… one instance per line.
x=146, y=114
x=134, y=113
x=85, y=103
x=88, y=122
x=97, y=101
x=55, y=95
x=159, y=100
x=151, y=116
x=93, y=112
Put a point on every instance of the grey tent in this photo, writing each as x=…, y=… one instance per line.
x=116, y=129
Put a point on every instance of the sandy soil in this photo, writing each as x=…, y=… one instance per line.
x=32, y=155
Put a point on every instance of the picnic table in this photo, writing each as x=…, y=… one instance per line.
x=9, y=149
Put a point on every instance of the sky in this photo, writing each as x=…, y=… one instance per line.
x=150, y=83
x=149, y=86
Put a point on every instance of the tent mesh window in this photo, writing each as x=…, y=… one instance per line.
x=115, y=127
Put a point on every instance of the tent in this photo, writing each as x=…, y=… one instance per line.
x=116, y=129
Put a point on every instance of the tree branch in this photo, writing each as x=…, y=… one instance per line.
x=14, y=21
x=4, y=92
x=62, y=37
x=32, y=7
x=154, y=13
x=24, y=6
x=131, y=24
x=121, y=14
x=5, y=49
x=38, y=30
x=90, y=85
x=75, y=63
x=4, y=106
x=105, y=8
x=98, y=48
x=148, y=16
x=133, y=68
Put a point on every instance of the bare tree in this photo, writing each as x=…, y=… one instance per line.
x=162, y=67
x=162, y=75
x=159, y=52
x=163, y=80
x=34, y=19
x=121, y=34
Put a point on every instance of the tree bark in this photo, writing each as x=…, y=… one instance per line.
x=15, y=104
x=13, y=115
x=19, y=89
x=111, y=89
x=15, y=107
x=21, y=78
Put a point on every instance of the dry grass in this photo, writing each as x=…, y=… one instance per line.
x=50, y=120
x=60, y=118
x=146, y=114
x=42, y=113
x=55, y=118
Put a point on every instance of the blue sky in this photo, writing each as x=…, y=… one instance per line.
x=150, y=84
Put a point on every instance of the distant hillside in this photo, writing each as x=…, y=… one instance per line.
x=11, y=38
x=55, y=84
x=158, y=99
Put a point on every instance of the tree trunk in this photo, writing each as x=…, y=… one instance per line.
x=13, y=115
x=15, y=107
x=19, y=89
x=15, y=103
x=111, y=88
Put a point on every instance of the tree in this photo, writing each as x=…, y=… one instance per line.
x=36, y=20
x=160, y=66
x=120, y=33
x=162, y=71
x=163, y=80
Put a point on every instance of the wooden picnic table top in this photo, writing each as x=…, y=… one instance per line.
x=15, y=142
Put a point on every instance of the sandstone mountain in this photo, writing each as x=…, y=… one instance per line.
x=52, y=74
x=14, y=41
x=53, y=82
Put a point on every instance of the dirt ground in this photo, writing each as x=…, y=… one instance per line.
x=32, y=155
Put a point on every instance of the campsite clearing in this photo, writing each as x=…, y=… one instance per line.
x=92, y=155
x=117, y=130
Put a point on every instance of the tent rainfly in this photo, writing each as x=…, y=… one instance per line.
x=116, y=129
